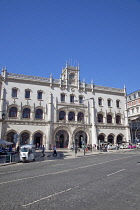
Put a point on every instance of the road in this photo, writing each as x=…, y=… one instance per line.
x=105, y=181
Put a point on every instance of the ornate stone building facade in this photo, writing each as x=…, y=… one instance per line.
x=61, y=111
x=133, y=106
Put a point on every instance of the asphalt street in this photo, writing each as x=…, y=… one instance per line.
x=105, y=181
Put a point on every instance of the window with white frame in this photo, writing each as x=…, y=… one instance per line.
x=71, y=98
x=117, y=103
x=100, y=101
x=80, y=99
x=62, y=97
x=14, y=92
x=109, y=102
x=39, y=95
x=27, y=93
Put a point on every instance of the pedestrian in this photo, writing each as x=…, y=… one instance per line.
x=43, y=150
x=54, y=151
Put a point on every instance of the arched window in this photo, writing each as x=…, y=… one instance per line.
x=24, y=138
x=80, y=116
x=71, y=116
x=39, y=114
x=13, y=112
x=101, y=138
x=111, y=139
x=26, y=113
x=10, y=138
x=62, y=115
x=119, y=139
x=118, y=119
x=100, y=118
x=109, y=118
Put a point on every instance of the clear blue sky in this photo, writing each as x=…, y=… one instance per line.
x=38, y=36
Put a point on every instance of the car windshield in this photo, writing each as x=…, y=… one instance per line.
x=24, y=149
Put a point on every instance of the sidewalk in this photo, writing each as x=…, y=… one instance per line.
x=62, y=154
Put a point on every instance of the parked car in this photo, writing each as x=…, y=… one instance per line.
x=131, y=146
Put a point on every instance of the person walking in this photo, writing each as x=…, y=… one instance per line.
x=43, y=150
x=54, y=151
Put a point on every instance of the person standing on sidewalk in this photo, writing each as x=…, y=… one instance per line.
x=54, y=151
x=43, y=150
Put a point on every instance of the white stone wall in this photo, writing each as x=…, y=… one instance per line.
x=51, y=104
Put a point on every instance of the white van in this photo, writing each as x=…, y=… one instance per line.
x=27, y=153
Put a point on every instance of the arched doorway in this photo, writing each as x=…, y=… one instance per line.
x=119, y=139
x=10, y=138
x=38, y=140
x=24, y=138
x=101, y=138
x=80, y=138
x=111, y=139
x=62, y=139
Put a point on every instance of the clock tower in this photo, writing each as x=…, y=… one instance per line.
x=70, y=75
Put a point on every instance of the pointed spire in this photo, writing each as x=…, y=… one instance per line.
x=92, y=81
x=66, y=64
x=51, y=75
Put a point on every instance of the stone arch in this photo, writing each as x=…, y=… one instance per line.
x=119, y=138
x=61, y=137
x=101, y=137
x=10, y=136
x=25, y=137
x=37, y=138
x=110, y=138
x=81, y=136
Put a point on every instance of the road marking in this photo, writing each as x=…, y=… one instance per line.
x=49, y=196
x=10, y=172
x=60, y=164
x=116, y=172
x=64, y=171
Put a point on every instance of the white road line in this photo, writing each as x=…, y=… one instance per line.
x=64, y=171
x=9, y=172
x=28, y=204
x=115, y=172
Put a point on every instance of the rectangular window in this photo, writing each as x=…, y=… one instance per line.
x=109, y=103
x=80, y=99
x=134, y=96
x=14, y=92
x=39, y=95
x=71, y=99
x=117, y=104
x=100, y=102
x=27, y=93
x=62, y=97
